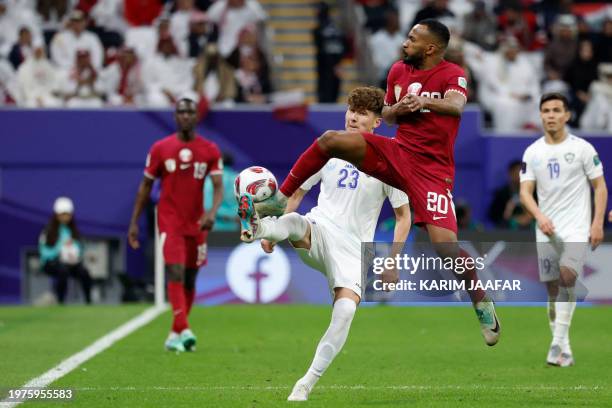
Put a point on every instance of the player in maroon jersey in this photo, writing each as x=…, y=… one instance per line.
x=425, y=98
x=182, y=161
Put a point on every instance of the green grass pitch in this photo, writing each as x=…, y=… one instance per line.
x=250, y=356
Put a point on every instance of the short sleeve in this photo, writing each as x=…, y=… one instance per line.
x=215, y=164
x=153, y=164
x=396, y=197
x=457, y=82
x=390, y=98
x=527, y=173
x=591, y=163
x=312, y=181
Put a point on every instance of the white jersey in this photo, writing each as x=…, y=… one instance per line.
x=562, y=173
x=350, y=199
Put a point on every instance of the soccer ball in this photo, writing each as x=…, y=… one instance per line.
x=257, y=181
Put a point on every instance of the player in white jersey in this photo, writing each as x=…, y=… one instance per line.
x=329, y=237
x=561, y=166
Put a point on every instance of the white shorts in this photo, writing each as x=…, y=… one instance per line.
x=334, y=254
x=552, y=255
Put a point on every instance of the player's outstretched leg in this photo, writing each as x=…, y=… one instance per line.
x=329, y=346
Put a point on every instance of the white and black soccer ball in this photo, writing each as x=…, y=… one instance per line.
x=257, y=181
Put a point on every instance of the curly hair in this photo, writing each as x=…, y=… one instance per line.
x=367, y=98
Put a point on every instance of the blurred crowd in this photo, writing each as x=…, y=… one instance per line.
x=512, y=52
x=148, y=53
x=93, y=53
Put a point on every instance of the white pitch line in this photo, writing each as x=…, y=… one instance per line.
x=349, y=387
x=82, y=356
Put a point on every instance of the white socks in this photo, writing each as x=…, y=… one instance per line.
x=332, y=341
x=290, y=226
x=565, y=307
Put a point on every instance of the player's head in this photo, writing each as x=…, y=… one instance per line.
x=428, y=38
x=554, y=112
x=364, y=110
x=185, y=114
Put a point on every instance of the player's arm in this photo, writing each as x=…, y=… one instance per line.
x=142, y=197
x=295, y=200
x=208, y=220
x=601, y=198
x=526, y=194
x=452, y=104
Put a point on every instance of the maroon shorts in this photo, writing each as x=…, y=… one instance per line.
x=430, y=196
x=187, y=250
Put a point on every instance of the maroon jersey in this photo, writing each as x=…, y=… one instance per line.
x=182, y=167
x=428, y=135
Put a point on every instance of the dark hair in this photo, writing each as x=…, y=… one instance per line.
x=439, y=30
x=554, y=96
x=514, y=163
x=228, y=159
x=51, y=231
x=186, y=99
x=367, y=98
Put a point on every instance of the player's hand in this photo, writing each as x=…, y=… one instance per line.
x=546, y=225
x=390, y=276
x=401, y=108
x=133, y=236
x=207, y=221
x=415, y=103
x=596, y=236
x=610, y=216
x=267, y=246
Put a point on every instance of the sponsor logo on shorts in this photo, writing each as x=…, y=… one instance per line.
x=438, y=217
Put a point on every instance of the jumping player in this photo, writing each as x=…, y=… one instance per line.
x=561, y=166
x=329, y=237
x=425, y=97
x=182, y=161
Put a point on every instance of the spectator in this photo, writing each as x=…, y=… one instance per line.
x=581, y=73
x=122, y=80
x=231, y=16
x=167, y=75
x=61, y=251
x=249, y=46
x=37, y=81
x=8, y=91
x=109, y=22
x=65, y=43
x=80, y=86
x=201, y=33
x=480, y=27
x=506, y=210
x=251, y=86
x=598, y=112
x=12, y=18
x=509, y=87
x=465, y=222
x=180, y=21
x=386, y=46
x=22, y=48
x=563, y=47
x=521, y=23
x=52, y=13
x=330, y=44
x=603, y=49
x=375, y=12
x=434, y=9
x=226, y=219
x=455, y=54
x=214, y=77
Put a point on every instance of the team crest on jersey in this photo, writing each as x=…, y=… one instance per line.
x=185, y=155
x=170, y=165
x=462, y=82
x=596, y=160
x=397, y=89
x=415, y=88
x=569, y=157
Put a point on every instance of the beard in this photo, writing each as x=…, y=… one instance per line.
x=414, y=60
